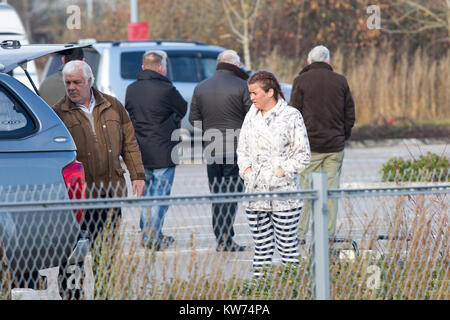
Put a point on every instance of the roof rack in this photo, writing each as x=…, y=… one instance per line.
x=87, y=41
x=10, y=44
x=158, y=42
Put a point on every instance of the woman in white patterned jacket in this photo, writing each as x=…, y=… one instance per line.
x=273, y=148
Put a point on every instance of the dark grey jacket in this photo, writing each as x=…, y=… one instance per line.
x=221, y=102
x=156, y=108
x=324, y=99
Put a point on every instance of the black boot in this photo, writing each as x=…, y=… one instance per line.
x=229, y=246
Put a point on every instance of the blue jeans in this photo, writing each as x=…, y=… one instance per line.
x=158, y=182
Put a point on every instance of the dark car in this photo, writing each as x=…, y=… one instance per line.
x=37, y=163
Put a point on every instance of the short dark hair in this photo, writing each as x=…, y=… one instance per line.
x=267, y=81
x=73, y=54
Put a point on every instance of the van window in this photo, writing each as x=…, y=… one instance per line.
x=130, y=64
x=182, y=66
x=182, y=69
x=15, y=122
x=208, y=67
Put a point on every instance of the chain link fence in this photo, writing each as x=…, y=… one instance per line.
x=391, y=242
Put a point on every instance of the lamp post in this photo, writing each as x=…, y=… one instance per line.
x=137, y=31
x=134, y=16
x=89, y=10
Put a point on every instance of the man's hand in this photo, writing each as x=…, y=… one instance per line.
x=248, y=170
x=138, y=187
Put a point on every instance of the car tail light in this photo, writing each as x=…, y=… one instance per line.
x=76, y=183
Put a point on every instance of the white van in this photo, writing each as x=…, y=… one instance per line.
x=11, y=28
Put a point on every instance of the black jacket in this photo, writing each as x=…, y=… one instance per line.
x=324, y=99
x=221, y=102
x=156, y=108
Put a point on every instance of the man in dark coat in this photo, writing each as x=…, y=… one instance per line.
x=324, y=99
x=156, y=108
x=219, y=105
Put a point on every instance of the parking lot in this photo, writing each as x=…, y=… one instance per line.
x=191, y=225
x=194, y=246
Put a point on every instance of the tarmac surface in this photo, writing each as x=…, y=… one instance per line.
x=193, y=253
x=191, y=225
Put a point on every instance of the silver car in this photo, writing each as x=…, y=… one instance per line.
x=37, y=161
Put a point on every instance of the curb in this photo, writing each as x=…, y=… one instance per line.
x=397, y=142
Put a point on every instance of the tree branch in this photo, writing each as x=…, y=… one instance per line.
x=424, y=9
x=434, y=21
x=404, y=31
x=230, y=20
x=233, y=10
x=255, y=9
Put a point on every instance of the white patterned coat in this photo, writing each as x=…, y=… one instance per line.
x=276, y=140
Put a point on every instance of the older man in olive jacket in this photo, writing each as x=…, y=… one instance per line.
x=102, y=132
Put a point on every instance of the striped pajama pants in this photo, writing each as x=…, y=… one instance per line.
x=270, y=229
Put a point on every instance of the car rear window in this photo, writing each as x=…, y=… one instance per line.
x=15, y=122
x=182, y=66
x=92, y=58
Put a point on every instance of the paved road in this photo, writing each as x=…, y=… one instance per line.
x=193, y=253
x=191, y=225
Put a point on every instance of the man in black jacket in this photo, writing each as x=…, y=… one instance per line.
x=219, y=106
x=156, y=108
x=324, y=99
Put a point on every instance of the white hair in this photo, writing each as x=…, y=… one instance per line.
x=229, y=56
x=160, y=53
x=319, y=54
x=75, y=65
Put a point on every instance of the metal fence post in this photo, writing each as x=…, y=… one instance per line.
x=321, y=272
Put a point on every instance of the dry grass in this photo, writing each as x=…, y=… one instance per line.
x=413, y=264
x=384, y=86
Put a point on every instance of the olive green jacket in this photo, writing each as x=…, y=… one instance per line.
x=52, y=89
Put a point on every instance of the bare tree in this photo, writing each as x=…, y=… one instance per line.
x=240, y=21
x=420, y=16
